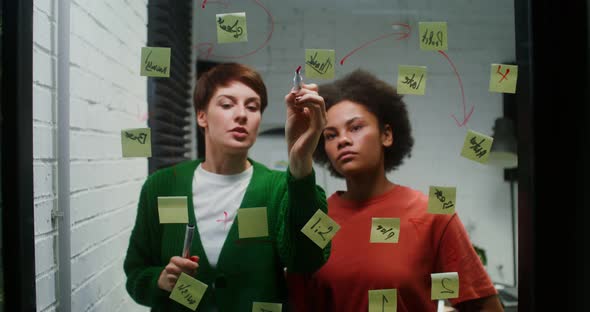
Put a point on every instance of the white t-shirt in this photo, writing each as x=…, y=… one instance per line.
x=216, y=199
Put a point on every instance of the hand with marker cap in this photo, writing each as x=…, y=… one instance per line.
x=306, y=119
x=187, y=263
x=177, y=265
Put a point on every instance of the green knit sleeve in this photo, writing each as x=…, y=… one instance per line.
x=299, y=200
x=141, y=263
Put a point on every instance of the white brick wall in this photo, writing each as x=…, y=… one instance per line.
x=480, y=33
x=107, y=94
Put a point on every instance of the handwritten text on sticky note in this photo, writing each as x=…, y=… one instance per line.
x=444, y=285
x=433, y=36
x=411, y=79
x=231, y=27
x=252, y=222
x=441, y=199
x=319, y=63
x=173, y=209
x=155, y=62
x=320, y=228
x=266, y=307
x=383, y=300
x=188, y=291
x=477, y=146
x=385, y=230
x=136, y=142
x=503, y=78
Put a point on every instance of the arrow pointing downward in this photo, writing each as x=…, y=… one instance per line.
x=466, y=115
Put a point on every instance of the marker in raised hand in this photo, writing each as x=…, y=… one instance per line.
x=297, y=80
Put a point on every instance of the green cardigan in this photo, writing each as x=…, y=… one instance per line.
x=248, y=270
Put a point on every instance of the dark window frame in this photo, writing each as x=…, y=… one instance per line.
x=16, y=124
x=170, y=25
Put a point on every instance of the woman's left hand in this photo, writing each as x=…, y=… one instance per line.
x=306, y=119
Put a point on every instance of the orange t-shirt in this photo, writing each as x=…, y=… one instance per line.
x=428, y=243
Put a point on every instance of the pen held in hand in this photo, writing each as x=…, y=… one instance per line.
x=297, y=80
x=188, y=240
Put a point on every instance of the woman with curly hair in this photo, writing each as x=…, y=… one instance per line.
x=368, y=134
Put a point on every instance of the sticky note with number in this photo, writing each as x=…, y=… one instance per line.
x=320, y=228
x=231, y=27
x=433, y=36
x=411, y=79
x=477, y=146
x=383, y=300
x=385, y=230
x=173, y=209
x=136, y=142
x=188, y=291
x=442, y=199
x=266, y=307
x=319, y=63
x=503, y=78
x=444, y=285
x=252, y=222
x=155, y=62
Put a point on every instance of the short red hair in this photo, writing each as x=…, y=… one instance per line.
x=223, y=75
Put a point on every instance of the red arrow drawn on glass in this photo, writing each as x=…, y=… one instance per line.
x=402, y=35
x=209, y=45
x=466, y=116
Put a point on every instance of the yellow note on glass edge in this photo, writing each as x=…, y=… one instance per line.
x=188, y=291
x=477, y=146
x=155, y=62
x=444, y=285
x=385, y=230
x=320, y=229
x=433, y=36
x=383, y=300
x=136, y=142
x=442, y=199
x=411, y=79
x=252, y=222
x=503, y=78
x=266, y=307
x=319, y=63
x=231, y=27
x=173, y=209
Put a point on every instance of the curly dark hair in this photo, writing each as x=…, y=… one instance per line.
x=383, y=101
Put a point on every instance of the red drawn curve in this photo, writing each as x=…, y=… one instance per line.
x=465, y=115
x=403, y=35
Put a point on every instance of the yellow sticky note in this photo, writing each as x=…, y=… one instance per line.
x=136, y=142
x=444, y=285
x=433, y=36
x=320, y=228
x=383, y=300
x=173, y=209
x=231, y=27
x=411, y=79
x=188, y=291
x=442, y=199
x=252, y=222
x=477, y=146
x=319, y=63
x=266, y=307
x=503, y=78
x=155, y=62
x=385, y=230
